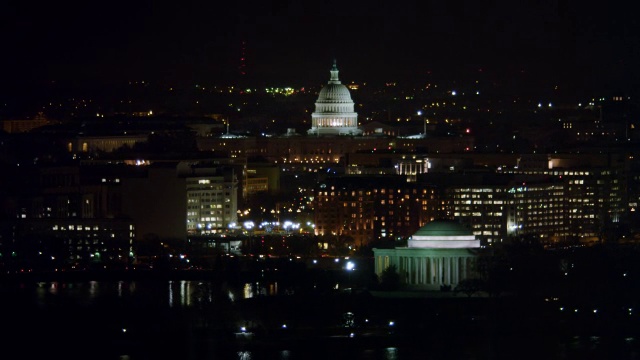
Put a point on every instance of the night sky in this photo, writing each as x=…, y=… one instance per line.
x=587, y=44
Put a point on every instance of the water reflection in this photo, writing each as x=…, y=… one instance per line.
x=282, y=355
x=184, y=293
x=93, y=289
x=181, y=293
x=45, y=291
x=250, y=290
x=198, y=316
x=391, y=353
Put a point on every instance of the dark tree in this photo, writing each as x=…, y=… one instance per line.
x=470, y=286
x=390, y=279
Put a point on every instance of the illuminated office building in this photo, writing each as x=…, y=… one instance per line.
x=497, y=206
x=506, y=208
x=69, y=244
x=595, y=194
x=212, y=201
x=372, y=207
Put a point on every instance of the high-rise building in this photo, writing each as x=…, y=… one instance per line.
x=212, y=200
x=72, y=244
x=372, y=207
x=498, y=206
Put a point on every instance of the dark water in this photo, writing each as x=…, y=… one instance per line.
x=206, y=320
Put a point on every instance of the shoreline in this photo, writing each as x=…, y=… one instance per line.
x=113, y=275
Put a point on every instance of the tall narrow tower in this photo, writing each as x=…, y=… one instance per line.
x=242, y=68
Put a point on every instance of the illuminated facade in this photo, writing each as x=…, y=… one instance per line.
x=311, y=153
x=70, y=192
x=564, y=196
x=107, y=143
x=441, y=253
x=254, y=185
x=412, y=168
x=261, y=178
x=24, y=125
x=497, y=206
x=334, y=113
x=537, y=209
x=212, y=203
x=496, y=210
x=372, y=207
x=68, y=243
x=595, y=197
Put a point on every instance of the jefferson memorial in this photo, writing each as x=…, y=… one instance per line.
x=334, y=113
x=442, y=252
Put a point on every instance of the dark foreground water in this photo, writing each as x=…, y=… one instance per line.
x=162, y=319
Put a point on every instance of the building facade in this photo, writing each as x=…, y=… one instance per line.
x=373, y=207
x=212, y=201
x=441, y=253
x=67, y=244
x=334, y=113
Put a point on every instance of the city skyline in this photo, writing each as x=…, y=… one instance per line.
x=579, y=46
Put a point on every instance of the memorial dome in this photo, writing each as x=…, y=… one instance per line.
x=443, y=228
x=443, y=234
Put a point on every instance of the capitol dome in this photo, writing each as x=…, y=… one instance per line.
x=334, y=93
x=334, y=113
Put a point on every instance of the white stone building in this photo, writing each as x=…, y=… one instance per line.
x=441, y=253
x=334, y=113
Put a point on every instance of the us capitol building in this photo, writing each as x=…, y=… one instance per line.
x=334, y=136
x=334, y=113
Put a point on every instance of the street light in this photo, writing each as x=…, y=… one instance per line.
x=424, y=123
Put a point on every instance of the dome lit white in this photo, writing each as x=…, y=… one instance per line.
x=334, y=113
